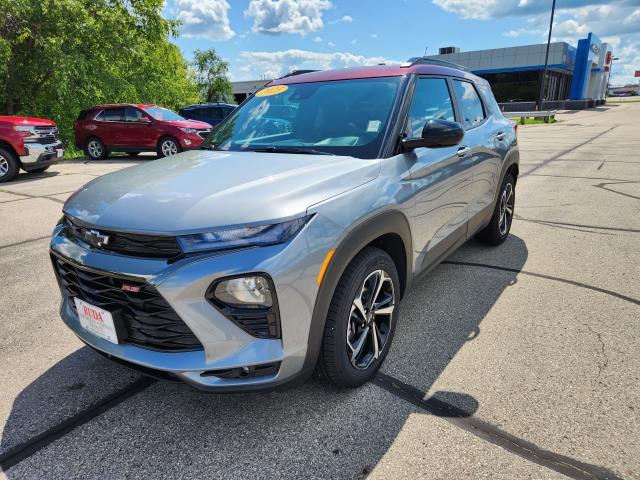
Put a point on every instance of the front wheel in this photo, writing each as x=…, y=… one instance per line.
x=9, y=166
x=361, y=320
x=168, y=146
x=500, y=225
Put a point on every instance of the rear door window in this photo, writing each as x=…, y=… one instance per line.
x=113, y=115
x=431, y=100
x=133, y=114
x=470, y=104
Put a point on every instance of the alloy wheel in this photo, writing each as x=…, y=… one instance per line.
x=4, y=166
x=507, y=201
x=370, y=319
x=95, y=149
x=169, y=147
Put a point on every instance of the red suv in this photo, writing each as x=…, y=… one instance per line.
x=134, y=129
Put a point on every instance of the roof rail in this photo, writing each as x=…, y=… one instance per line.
x=293, y=73
x=432, y=61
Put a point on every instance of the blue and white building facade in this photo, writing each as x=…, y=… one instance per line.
x=575, y=73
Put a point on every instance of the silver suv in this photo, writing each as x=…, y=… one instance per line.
x=285, y=244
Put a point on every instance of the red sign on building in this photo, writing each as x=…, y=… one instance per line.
x=637, y=73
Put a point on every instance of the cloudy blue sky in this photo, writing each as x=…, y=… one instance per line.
x=267, y=38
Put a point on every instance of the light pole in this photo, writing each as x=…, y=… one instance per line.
x=610, y=71
x=546, y=57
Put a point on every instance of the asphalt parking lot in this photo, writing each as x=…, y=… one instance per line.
x=521, y=361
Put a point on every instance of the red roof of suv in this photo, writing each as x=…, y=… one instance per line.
x=375, y=72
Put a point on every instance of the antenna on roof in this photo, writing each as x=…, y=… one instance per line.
x=425, y=50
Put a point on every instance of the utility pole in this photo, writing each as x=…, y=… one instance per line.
x=613, y=59
x=546, y=58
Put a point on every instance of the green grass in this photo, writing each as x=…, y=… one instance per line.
x=534, y=121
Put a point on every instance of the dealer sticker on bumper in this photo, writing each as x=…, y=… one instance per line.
x=96, y=320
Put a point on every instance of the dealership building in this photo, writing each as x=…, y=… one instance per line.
x=573, y=73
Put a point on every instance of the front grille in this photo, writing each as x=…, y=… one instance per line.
x=142, y=318
x=148, y=246
x=46, y=135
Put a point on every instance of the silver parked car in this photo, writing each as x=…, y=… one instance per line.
x=285, y=244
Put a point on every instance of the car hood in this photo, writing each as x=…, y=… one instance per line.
x=187, y=123
x=200, y=189
x=31, y=121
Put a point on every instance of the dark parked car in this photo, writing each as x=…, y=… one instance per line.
x=212, y=113
x=134, y=129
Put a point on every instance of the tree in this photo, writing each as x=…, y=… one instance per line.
x=211, y=76
x=60, y=56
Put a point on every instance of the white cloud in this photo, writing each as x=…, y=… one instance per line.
x=317, y=39
x=208, y=19
x=331, y=44
x=276, y=64
x=287, y=16
x=374, y=35
x=346, y=19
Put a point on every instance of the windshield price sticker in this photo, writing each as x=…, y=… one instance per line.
x=275, y=90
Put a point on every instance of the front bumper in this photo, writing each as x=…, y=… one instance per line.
x=293, y=268
x=38, y=155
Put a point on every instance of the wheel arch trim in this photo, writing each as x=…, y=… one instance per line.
x=388, y=222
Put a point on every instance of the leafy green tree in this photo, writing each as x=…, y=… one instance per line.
x=211, y=76
x=60, y=56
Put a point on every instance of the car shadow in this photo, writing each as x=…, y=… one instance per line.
x=315, y=430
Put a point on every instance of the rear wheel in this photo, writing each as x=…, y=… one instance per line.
x=498, y=229
x=95, y=149
x=361, y=320
x=9, y=166
x=168, y=146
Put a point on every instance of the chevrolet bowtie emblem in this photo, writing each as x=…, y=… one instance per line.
x=95, y=238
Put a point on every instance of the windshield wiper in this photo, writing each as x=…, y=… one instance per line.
x=274, y=149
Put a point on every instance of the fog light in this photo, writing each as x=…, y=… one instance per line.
x=251, y=291
x=187, y=141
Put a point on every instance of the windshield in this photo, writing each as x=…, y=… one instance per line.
x=344, y=117
x=160, y=113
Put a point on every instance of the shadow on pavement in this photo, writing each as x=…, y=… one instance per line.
x=171, y=430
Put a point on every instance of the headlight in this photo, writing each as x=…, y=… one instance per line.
x=25, y=128
x=241, y=237
x=188, y=130
x=242, y=292
x=28, y=133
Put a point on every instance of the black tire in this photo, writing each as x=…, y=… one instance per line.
x=95, y=149
x=496, y=232
x=167, y=144
x=38, y=170
x=335, y=363
x=9, y=166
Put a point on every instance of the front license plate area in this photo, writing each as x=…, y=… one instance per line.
x=96, y=320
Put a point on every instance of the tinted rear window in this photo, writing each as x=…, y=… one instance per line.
x=113, y=115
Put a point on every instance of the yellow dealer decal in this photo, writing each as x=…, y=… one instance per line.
x=276, y=89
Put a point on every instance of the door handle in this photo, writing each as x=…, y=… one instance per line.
x=463, y=151
x=500, y=136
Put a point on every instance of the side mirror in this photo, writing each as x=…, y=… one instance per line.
x=144, y=120
x=436, y=133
